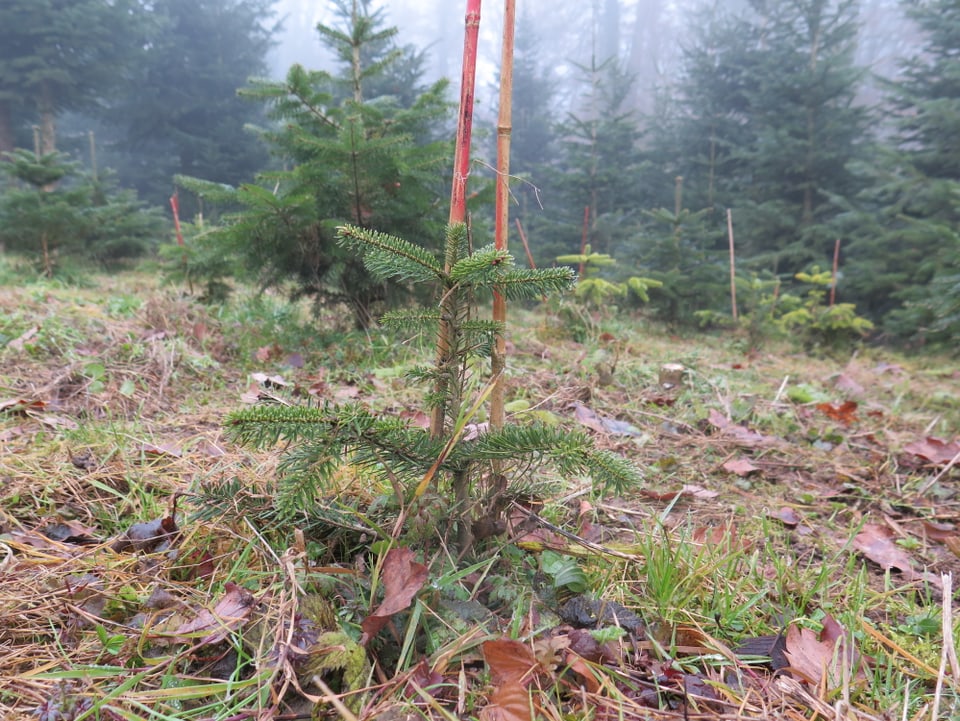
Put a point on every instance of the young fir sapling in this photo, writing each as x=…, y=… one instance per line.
x=323, y=439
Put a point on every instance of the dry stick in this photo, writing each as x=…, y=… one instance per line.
x=583, y=239
x=458, y=192
x=948, y=654
x=836, y=262
x=733, y=272
x=944, y=471
x=526, y=246
x=498, y=357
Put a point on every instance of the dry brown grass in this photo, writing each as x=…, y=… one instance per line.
x=91, y=456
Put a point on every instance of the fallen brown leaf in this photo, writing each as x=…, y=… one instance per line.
x=787, y=516
x=935, y=450
x=231, y=612
x=845, y=413
x=740, y=466
x=402, y=578
x=741, y=435
x=828, y=656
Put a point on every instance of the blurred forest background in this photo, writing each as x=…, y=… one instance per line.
x=637, y=124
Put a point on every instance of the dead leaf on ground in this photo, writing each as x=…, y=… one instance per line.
x=208, y=448
x=231, y=612
x=716, y=536
x=940, y=532
x=10, y=433
x=935, y=450
x=787, y=516
x=741, y=435
x=508, y=702
x=148, y=536
x=847, y=385
x=741, y=466
x=266, y=353
x=52, y=421
x=845, y=413
x=269, y=381
x=36, y=539
x=22, y=405
x=876, y=543
x=589, y=418
x=510, y=661
x=830, y=655
x=69, y=532
x=425, y=677
x=158, y=450
x=416, y=418
x=688, y=491
x=402, y=578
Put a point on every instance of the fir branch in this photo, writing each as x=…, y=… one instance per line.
x=416, y=319
x=457, y=246
x=525, y=283
x=482, y=268
x=389, y=256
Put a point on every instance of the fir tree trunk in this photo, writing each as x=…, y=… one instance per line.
x=48, y=128
x=7, y=143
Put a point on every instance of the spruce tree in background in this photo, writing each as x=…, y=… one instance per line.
x=52, y=214
x=779, y=126
x=597, y=167
x=806, y=131
x=907, y=247
x=182, y=113
x=60, y=55
x=368, y=161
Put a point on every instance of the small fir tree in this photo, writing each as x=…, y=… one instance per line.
x=325, y=438
x=52, y=212
x=368, y=161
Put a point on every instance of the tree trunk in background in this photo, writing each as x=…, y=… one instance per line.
x=645, y=50
x=48, y=124
x=7, y=142
x=608, y=35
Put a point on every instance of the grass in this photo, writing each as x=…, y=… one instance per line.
x=113, y=395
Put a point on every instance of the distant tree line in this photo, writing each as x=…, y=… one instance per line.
x=764, y=114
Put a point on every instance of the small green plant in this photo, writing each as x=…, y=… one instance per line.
x=822, y=325
x=599, y=293
x=323, y=439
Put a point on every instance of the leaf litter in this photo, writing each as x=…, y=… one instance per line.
x=169, y=587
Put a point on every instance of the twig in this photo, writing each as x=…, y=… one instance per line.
x=943, y=471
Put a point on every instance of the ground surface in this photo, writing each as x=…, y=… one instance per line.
x=792, y=505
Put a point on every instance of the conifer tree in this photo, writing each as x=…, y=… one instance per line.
x=351, y=158
x=597, y=166
x=52, y=213
x=61, y=55
x=770, y=127
x=180, y=113
x=908, y=229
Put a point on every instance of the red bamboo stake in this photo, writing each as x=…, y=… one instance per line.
x=461, y=157
x=836, y=263
x=458, y=192
x=502, y=207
